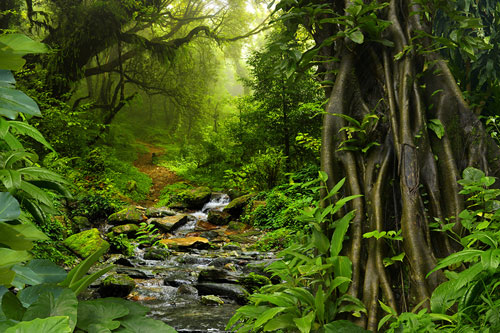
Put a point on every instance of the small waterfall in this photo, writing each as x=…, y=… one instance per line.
x=217, y=202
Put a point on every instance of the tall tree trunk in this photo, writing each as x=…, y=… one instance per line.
x=410, y=176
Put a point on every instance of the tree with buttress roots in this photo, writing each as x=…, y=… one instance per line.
x=397, y=127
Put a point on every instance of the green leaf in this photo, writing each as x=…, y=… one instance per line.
x=304, y=324
x=9, y=207
x=36, y=193
x=48, y=305
x=30, y=295
x=343, y=326
x=42, y=174
x=387, y=308
x=320, y=241
x=21, y=44
x=59, y=324
x=279, y=323
x=267, y=315
x=13, y=101
x=144, y=325
x=100, y=311
x=11, y=307
x=342, y=266
x=39, y=271
x=19, y=236
x=26, y=129
x=459, y=257
x=11, y=179
x=341, y=227
x=437, y=127
x=10, y=257
x=79, y=271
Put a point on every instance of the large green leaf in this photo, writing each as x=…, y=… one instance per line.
x=459, y=257
x=39, y=271
x=20, y=236
x=26, y=129
x=36, y=193
x=341, y=227
x=7, y=78
x=13, y=100
x=144, y=325
x=280, y=322
x=304, y=324
x=13, y=47
x=267, y=315
x=11, y=179
x=59, y=324
x=6, y=276
x=9, y=257
x=37, y=173
x=11, y=307
x=342, y=266
x=9, y=207
x=343, y=326
x=30, y=295
x=48, y=305
x=100, y=311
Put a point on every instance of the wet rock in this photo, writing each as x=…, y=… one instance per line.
x=231, y=247
x=124, y=262
x=187, y=289
x=136, y=273
x=246, y=237
x=156, y=253
x=159, y=212
x=80, y=223
x=217, y=275
x=204, y=226
x=229, y=290
x=178, y=278
x=211, y=300
x=195, y=198
x=127, y=229
x=116, y=285
x=169, y=223
x=221, y=262
x=127, y=215
x=186, y=243
x=236, y=206
x=218, y=218
x=178, y=206
x=209, y=234
x=85, y=243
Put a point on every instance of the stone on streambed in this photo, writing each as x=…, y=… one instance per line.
x=236, y=206
x=250, y=236
x=178, y=278
x=127, y=215
x=187, y=289
x=136, y=273
x=211, y=300
x=186, y=243
x=116, y=285
x=159, y=212
x=237, y=226
x=156, y=253
x=253, y=282
x=204, y=226
x=169, y=223
x=219, y=218
x=229, y=290
x=195, y=198
x=127, y=229
x=217, y=275
x=85, y=243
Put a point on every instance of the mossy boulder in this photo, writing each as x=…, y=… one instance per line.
x=219, y=218
x=237, y=226
x=253, y=282
x=156, y=253
x=159, y=212
x=236, y=206
x=116, y=285
x=211, y=300
x=186, y=243
x=195, y=198
x=85, y=243
x=127, y=229
x=127, y=215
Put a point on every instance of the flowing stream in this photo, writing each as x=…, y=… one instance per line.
x=173, y=287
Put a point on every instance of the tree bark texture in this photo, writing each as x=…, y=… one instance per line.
x=410, y=178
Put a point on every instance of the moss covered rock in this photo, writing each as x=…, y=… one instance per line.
x=236, y=206
x=116, y=285
x=85, y=243
x=195, y=198
x=169, y=223
x=211, y=300
x=80, y=223
x=237, y=226
x=219, y=218
x=186, y=243
x=127, y=215
x=127, y=229
x=253, y=282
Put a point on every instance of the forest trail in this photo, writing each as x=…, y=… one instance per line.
x=160, y=176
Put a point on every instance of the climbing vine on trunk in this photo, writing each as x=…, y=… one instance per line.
x=397, y=127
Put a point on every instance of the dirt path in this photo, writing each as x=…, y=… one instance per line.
x=161, y=176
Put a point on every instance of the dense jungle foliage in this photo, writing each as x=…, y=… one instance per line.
x=362, y=137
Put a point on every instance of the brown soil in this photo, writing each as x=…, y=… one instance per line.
x=161, y=176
